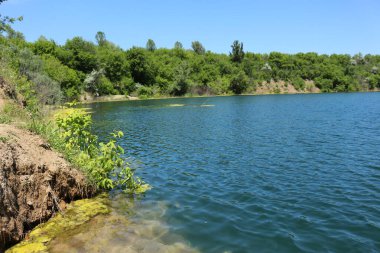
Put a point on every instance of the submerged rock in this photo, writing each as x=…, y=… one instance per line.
x=35, y=184
x=127, y=228
x=65, y=224
x=104, y=224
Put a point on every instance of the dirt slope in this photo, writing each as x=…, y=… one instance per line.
x=35, y=183
x=281, y=87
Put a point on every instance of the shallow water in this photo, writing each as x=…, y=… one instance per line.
x=281, y=173
x=123, y=231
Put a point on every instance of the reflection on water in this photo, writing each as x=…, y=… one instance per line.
x=131, y=227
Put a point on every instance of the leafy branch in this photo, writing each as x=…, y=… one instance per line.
x=102, y=161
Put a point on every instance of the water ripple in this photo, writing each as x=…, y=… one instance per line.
x=296, y=173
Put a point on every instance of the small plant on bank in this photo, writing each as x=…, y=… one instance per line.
x=102, y=161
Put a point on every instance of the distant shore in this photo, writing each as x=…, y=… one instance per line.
x=120, y=98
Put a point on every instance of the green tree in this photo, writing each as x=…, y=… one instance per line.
x=44, y=46
x=96, y=83
x=178, y=45
x=179, y=51
x=15, y=35
x=101, y=38
x=298, y=83
x=198, y=48
x=374, y=81
x=140, y=66
x=65, y=76
x=114, y=63
x=150, y=45
x=31, y=66
x=83, y=54
x=237, y=54
x=239, y=83
x=181, y=84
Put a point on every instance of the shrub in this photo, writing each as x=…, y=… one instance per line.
x=65, y=76
x=144, y=91
x=10, y=112
x=48, y=91
x=374, y=81
x=105, y=86
x=298, y=83
x=325, y=85
x=239, y=83
x=220, y=85
x=29, y=63
x=102, y=161
x=127, y=85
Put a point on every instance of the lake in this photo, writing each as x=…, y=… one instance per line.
x=275, y=173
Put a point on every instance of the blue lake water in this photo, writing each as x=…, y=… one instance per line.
x=276, y=173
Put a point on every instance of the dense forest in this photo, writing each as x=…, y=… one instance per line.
x=55, y=73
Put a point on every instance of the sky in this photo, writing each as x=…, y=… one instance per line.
x=287, y=26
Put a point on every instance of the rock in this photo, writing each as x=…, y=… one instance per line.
x=62, y=205
x=35, y=183
x=76, y=215
x=46, y=146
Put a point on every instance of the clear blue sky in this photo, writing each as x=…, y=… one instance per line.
x=289, y=26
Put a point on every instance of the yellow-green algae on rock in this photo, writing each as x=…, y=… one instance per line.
x=77, y=214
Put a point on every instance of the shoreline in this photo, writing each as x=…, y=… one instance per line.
x=108, y=98
x=37, y=183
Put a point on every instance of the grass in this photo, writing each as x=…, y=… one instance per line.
x=4, y=139
x=13, y=113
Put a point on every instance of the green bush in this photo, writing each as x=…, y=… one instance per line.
x=239, y=83
x=106, y=87
x=220, y=86
x=48, y=91
x=325, y=85
x=68, y=79
x=29, y=63
x=102, y=161
x=298, y=83
x=374, y=81
x=144, y=91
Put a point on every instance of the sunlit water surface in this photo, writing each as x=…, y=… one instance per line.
x=281, y=173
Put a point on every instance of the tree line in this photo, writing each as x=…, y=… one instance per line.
x=58, y=73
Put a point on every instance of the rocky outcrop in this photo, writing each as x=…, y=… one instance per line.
x=35, y=183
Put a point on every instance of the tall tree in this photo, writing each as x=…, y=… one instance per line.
x=237, y=54
x=198, y=47
x=101, y=38
x=181, y=79
x=150, y=45
x=140, y=66
x=83, y=54
x=178, y=45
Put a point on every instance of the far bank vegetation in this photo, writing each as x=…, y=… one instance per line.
x=55, y=73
